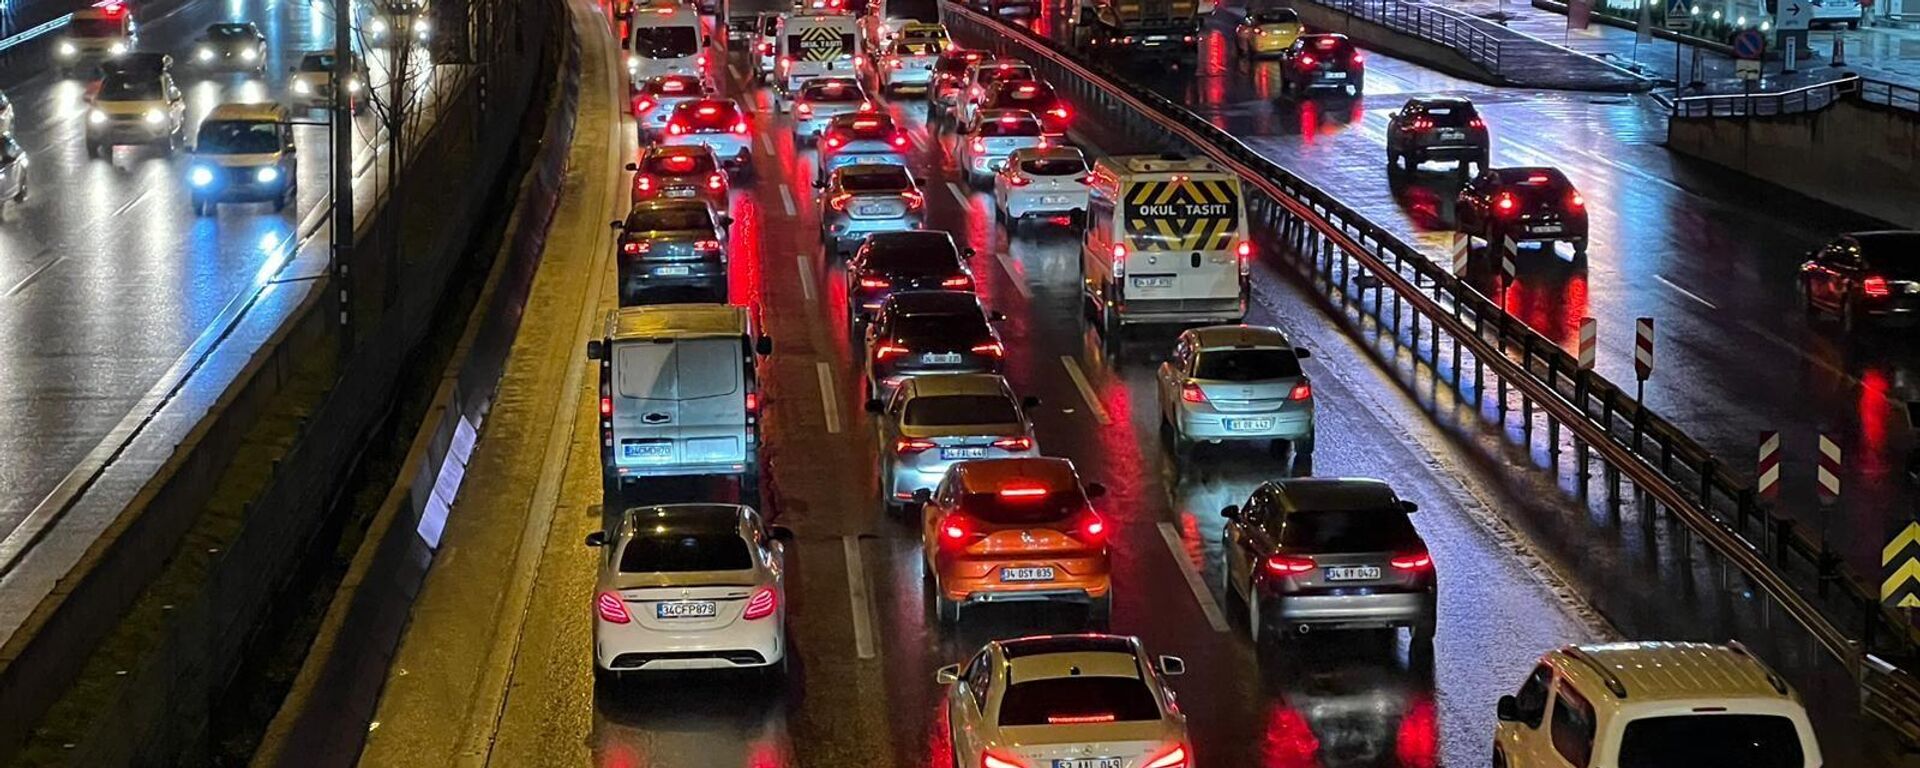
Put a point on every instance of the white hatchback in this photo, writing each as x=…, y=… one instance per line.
x=690, y=586
x=1041, y=182
x=1066, y=701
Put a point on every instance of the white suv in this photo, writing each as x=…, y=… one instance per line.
x=1635, y=704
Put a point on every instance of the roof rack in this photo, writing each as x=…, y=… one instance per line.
x=1618, y=688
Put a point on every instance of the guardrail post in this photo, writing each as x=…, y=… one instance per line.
x=1479, y=366
x=1526, y=404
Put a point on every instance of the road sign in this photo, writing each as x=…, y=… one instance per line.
x=1746, y=69
x=1749, y=44
x=1589, y=338
x=1642, y=347
x=1900, y=561
x=1829, y=470
x=1679, y=15
x=1794, y=16
x=1768, y=483
x=1460, y=243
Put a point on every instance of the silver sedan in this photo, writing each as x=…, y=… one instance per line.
x=934, y=422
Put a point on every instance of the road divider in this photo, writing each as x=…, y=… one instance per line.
x=829, y=399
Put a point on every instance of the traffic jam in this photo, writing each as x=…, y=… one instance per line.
x=1165, y=259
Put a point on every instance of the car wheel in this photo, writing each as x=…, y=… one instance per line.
x=1227, y=595
x=605, y=679
x=1855, y=24
x=1849, y=316
x=948, y=611
x=1806, y=302
x=1254, y=629
x=1579, y=249
x=1422, y=635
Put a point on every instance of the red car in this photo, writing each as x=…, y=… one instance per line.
x=673, y=173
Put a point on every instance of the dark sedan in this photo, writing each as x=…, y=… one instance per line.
x=1322, y=61
x=922, y=332
x=672, y=245
x=1530, y=205
x=903, y=261
x=231, y=47
x=1864, y=275
x=1443, y=129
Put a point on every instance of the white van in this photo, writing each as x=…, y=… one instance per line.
x=815, y=43
x=665, y=38
x=680, y=394
x=1166, y=242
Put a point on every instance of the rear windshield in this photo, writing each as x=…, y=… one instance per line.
x=1330, y=45
x=1010, y=126
x=1534, y=183
x=953, y=65
x=1246, y=365
x=959, y=410
x=1026, y=95
x=1450, y=114
x=966, y=328
x=681, y=553
x=1274, y=17
x=889, y=180
x=685, y=370
x=1892, y=255
x=679, y=165
x=831, y=92
x=917, y=47
x=665, y=42
x=878, y=127
x=1350, y=531
x=1069, y=700
x=670, y=219
x=1055, y=166
x=711, y=114
x=998, y=73
x=769, y=25
x=912, y=257
x=673, y=86
x=1711, y=741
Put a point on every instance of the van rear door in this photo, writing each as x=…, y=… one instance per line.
x=1180, y=234
x=678, y=405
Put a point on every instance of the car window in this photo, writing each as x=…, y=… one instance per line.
x=1531, y=701
x=318, y=62
x=1275, y=17
x=1078, y=700
x=685, y=552
x=831, y=92
x=1009, y=125
x=979, y=676
x=1453, y=115
x=708, y=114
x=1005, y=507
x=1349, y=531
x=889, y=180
x=1711, y=741
x=961, y=410
x=1054, y=166
x=769, y=25
x=684, y=370
x=955, y=328
x=672, y=219
x=679, y=164
x=1573, y=726
x=665, y=42
x=130, y=88
x=1246, y=365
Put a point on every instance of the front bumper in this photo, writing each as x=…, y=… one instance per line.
x=1285, y=424
x=1378, y=610
x=241, y=185
x=128, y=132
x=632, y=647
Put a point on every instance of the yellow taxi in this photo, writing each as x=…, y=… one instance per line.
x=244, y=153
x=1267, y=32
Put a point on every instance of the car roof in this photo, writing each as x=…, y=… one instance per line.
x=990, y=475
x=1333, y=494
x=1664, y=671
x=669, y=150
x=1232, y=336
x=657, y=206
x=944, y=384
x=686, y=518
x=676, y=321
x=932, y=302
x=1441, y=101
x=1888, y=243
x=265, y=112
x=1000, y=114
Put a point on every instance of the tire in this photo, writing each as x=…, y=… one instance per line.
x=1806, y=303
x=1849, y=316
x=1421, y=636
x=1579, y=250
x=948, y=611
x=609, y=488
x=202, y=207
x=280, y=203
x=603, y=679
x=1855, y=24
x=93, y=149
x=1255, y=630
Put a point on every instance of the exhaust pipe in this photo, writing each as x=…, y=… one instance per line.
x=1302, y=629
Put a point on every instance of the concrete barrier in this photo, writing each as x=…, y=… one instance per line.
x=1861, y=157
x=157, y=707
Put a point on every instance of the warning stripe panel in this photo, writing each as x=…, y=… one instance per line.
x=1161, y=233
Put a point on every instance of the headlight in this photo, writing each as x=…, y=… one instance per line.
x=96, y=117
x=301, y=87
x=353, y=85
x=267, y=175
x=633, y=62
x=378, y=27
x=205, y=53
x=67, y=49
x=117, y=48
x=155, y=117
x=200, y=176
x=249, y=54
x=421, y=26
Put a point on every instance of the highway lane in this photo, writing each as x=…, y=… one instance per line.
x=1711, y=256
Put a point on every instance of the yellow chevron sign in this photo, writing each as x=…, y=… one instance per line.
x=818, y=44
x=1182, y=215
x=1901, y=559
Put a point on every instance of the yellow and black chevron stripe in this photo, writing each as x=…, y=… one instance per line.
x=1185, y=215
x=819, y=44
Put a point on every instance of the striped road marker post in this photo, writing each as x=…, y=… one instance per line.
x=1829, y=471
x=1768, y=482
x=1589, y=340
x=1508, y=269
x=1460, y=254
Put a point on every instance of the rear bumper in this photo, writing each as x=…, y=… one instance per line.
x=1074, y=588
x=900, y=479
x=909, y=78
x=1355, y=611
x=1287, y=425
x=1170, y=311
x=632, y=648
x=849, y=231
x=641, y=277
x=1448, y=152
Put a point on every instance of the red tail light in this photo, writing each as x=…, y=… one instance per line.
x=990, y=349
x=643, y=184
x=1306, y=60
x=1577, y=201
x=766, y=49
x=1477, y=123
x=676, y=128
x=914, y=200
x=895, y=64
x=785, y=62
x=1416, y=562
x=874, y=282
x=899, y=139
x=716, y=182
x=1358, y=59
x=706, y=245
x=991, y=760
x=803, y=109
x=1019, y=180
x=642, y=106
x=740, y=127
x=700, y=61
x=606, y=406
x=1191, y=393
x=957, y=282
x=753, y=402
x=907, y=447
x=613, y=610
x=1505, y=202
x=979, y=145
x=1874, y=286
x=1420, y=124
x=1022, y=443
x=1176, y=757
x=839, y=202
x=835, y=142
x=762, y=603
x=889, y=349
x=1059, y=112
x=1245, y=252
x=631, y=248
x=955, y=529
x=1300, y=391
x=1091, y=529
x=1284, y=565
x=866, y=106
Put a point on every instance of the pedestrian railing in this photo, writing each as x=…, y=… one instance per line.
x=1427, y=22
x=1893, y=95
x=1793, y=101
x=1373, y=277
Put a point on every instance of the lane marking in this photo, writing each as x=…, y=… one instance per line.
x=1086, y=390
x=31, y=276
x=806, y=279
x=958, y=195
x=1201, y=594
x=1685, y=292
x=137, y=199
x=861, y=606
x=1013, y=274
x=786, y=198
x=766, y=144
x=827, y=399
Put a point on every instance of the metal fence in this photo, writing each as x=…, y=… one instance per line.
x=1429, y=23
x=1893, y=95
x=1807, y=98
x=1370, y=273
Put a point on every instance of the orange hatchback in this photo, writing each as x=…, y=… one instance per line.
x=1002, y=530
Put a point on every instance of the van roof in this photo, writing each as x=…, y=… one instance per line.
x=1143, y=165
x=1664, y=671
x=262, y=112
x=679, y=321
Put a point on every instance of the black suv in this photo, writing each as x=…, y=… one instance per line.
x=1437, y=129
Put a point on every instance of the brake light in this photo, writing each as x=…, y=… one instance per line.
x=613, y=610
x=991, y=760
x=866, y=106
x=957, y=282
x=908, y=447
x=914, y=200
x=1300, y=391
x=1577, y=200
x=1119, y=261
x=991, y=349
x=1283, y=565
x=1022, y=443
x=1025, y=89
x=804, y=109
x=642, y=106
x=634, y=247
x=954, y=529
x=1245, y=252
x=899, y=139
x=1358, y=59
x=766, y=49
x=1019, y=180
x=643, y=184
x=706, y=245
x=1104, y=717
x=707, y=111
x=676, y=128
x=974, y=93
x=1306, y=60
x=1418, y=561
x=1059, y=112
x=700, y=61
x=1420, y=124
x=889, y=349
x=894, y=64
x=1172, y=758
x=761, y=605
x=753, y=402
x=1476, y=123
x=835, y=142
x=874, y=282
x=1092, y=529
x=606, y=406
x=1192, y=393
x=740, y=127
x=1504, y=202
x=1023, y=491
x=1874, y=286
x=839, y=202
x=978, y=145
x=785, y=62
x=716, y=182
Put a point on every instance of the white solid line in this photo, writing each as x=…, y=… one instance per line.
x=806, y=278
x=857, y=597
x=1013, y=276
x=28, y=280
x=827, y=398
x=1201, y=594
x=1086, y=390
x=766, y=144
x=786, y=198
x=1685, y=292
x=959, y=195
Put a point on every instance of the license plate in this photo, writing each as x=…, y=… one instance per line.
x=1153, y=282
x=1156, y=38
x=1088, y=762
x=1352, y=573
x=677, y=271
x=964, y=452
x=1542, y=229
x=679, y=193
x=940, y=357
x=1336, y=75
x=648, y=450
x=1249, y=425
x=874, y=210
x=1026, y=574
x=1452, y=135
x=691, y=609
x=1053, y=199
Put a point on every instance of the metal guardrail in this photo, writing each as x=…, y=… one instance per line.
x=1807, y=98
x=1893, y=95
x=1387, y=281
x=1429, y=23
x=1892, y=696
x=40, y=30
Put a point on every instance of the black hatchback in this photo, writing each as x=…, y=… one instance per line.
x=1322, y=61
x=1864, y=275
x=920, y=260
x=1444, y=129
x=923, y=332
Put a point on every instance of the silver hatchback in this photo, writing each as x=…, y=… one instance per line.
x=934, y=422
x=1236, y=383
x=859, y=200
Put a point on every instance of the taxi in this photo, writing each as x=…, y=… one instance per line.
x=908, y=65
x=1015, y=529
x=138, y=103
x=1066, y=701
x=243, y=153
x=93, y=35
x=1266, y=33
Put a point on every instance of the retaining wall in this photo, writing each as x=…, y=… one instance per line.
x=1856, y=156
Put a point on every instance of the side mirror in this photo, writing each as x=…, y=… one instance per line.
x=597, y=539
x=617, y=225
x=875, y=406
x=725, y=220
x=1029, y=403
x=996, y=316
x=1096, y=490
x=763, y=346
x=967, y=252
x=633, y=166
x=947, y=675
x=1508, y=710
x=1302, y=352
x=922, y=495
x=1394, y=115
x=594, y=349
x=780, y=533
x=1408, y=507
x=1172, y=666
x=1230, y=512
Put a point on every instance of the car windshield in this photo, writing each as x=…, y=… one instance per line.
x=1370, y=530
x=831, y=92
x=1711, y=741
x=238, y=137
x=1246, y=365
x=1274, y=17
x=893, y=179
x=692, y=164
x=686, y=552
x=678, y=218
x=319, y=62
x=960, y=410
x=1005, y=506
x=129, y=88
x=1054, y=166
x=229, y=33
x=1076, y=700
x=664, y=42
x=79, y=27
x=1010, y=125
x=1005, y=72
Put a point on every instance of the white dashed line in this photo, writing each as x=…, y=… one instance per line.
x=766, y=144
x=857, y=596
x=1685, y=292
x=1201, y=594
x=786, y=198
x=959, y=195
x=828, y=400
x=1013, y=274
x=806, y=279
x=1086, y=390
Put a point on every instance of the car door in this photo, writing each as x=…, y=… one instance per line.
x=888, y=427
x=712, y=401
x=1523, y=741
x=1172, y=373
x=1243, y=540
x=966, y=709
x=645, y=405
x=1570, y=729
